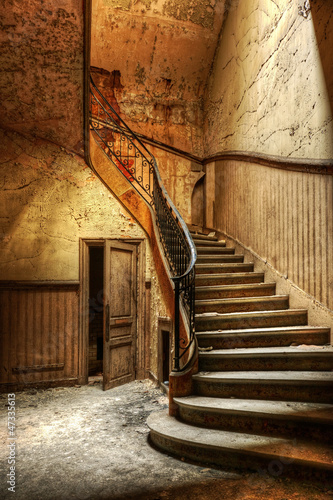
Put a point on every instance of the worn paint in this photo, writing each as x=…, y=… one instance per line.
x=271, y=87
x=164, y=60
x=284, y=217
x=197, y=11
x=41, y=78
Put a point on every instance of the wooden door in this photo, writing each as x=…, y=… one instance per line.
x=120, y=319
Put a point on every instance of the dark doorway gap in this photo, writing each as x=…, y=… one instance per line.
x=96, y=292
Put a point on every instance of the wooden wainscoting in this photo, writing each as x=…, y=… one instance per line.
x=39, y=332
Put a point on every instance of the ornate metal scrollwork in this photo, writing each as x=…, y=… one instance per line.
x=134, y=161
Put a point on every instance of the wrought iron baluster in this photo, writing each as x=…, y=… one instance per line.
x=133, y=159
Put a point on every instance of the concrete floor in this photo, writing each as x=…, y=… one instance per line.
x=82, y=443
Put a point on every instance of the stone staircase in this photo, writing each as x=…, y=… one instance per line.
x=263, y=397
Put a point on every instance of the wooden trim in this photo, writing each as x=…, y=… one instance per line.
x=45, y=384
x=24, y=285
x=307, y=165
x=86, y=72
x=164, y=324
x=38, y=368
x=85, y=243
x=83, y=343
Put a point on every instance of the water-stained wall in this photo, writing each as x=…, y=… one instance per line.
x=41, y=74
x=271, y=87
x=50, y=199
x=160, y=52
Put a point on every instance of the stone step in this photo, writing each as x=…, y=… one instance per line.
x=203, y=237
x=242, y=304
x=255, y=319
x=306, y=386
x=233, y=291
x=219, y=259
x=239, y=450
x=276, y=418
x=215, y=250
x=301, y=358
x=264, y=337
x=228, y=279
x=224, y=268
x=213, y=243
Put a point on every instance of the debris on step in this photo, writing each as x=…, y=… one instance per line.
x=210, y=348
x=305, y=346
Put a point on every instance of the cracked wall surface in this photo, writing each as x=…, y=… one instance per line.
x=271, y=87
x=49, y=199
x=162, y=51
x=41, y=71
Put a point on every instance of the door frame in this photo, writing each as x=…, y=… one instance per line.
x=83, y=345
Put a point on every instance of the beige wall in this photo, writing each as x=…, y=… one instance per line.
x=49, y=200
x=271, y=85
x=284, y=217
x=179, y=176
x=41, y=77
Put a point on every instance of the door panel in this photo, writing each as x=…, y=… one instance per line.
x=119, y=313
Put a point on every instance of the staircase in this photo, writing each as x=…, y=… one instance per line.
x=263, y=397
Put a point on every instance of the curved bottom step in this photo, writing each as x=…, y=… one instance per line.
x=240, y=450
x=264, y=417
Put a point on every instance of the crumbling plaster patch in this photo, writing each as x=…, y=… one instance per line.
x=41, y=77
x=164, y=60
x=50, y=199
x=268, y=91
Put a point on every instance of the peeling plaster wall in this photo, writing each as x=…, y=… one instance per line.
x=49, y=199
x=162, y=50
x=41, y=70
x=271, y=89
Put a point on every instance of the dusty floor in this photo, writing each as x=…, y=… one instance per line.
x=83, y=443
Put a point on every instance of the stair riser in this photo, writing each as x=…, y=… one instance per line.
x=257, y=321
x=217, y=250
x=226, y=268
x=270, y=464
x=219, y=259
x=273, y=340
x=228, y=279
x=271, y=305
x=314, y=363
x=208, y=243
x=267, y=425
x=278, y=391
x=236, y=293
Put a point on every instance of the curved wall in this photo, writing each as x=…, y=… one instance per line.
x=271, y=86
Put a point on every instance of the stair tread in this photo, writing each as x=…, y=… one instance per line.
x=303, y=377
x=255, y=351
x=240, y=300
x=223, y=264
x=319, y=412
x=204, y=237
x=250, y=314
x=234, y=275
x=223, y=256
x=309, y=452
x=215, y=247
x=256, y=331
x=204, y=288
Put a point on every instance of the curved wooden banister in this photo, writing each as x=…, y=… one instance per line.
x=138, y=165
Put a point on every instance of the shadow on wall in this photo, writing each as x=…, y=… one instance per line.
x=322, y=15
